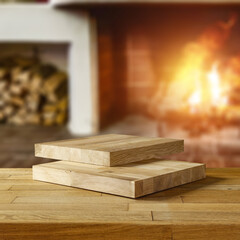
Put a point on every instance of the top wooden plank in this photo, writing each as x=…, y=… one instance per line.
x=109, y=150
x=115, y=2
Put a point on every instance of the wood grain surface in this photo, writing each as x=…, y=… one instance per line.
x=109, y=150
x=205, y=209
x=132, y=180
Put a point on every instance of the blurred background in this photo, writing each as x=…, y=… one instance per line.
x=86, y=67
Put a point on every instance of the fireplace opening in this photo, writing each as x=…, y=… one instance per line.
x=173, y=71
x=33, y=84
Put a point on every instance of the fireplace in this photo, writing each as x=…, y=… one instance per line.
x=172, y=71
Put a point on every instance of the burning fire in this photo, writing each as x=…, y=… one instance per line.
x=206, y=83
x=199, y=83
x=211, y=95
x=204, y=92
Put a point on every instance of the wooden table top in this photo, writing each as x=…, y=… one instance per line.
x=205, y=209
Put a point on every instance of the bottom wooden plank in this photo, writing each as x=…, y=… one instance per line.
x=131, y=180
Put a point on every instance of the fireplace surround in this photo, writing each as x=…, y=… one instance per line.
x=41, y=23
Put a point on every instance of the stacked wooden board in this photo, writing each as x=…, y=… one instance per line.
x=117, y=164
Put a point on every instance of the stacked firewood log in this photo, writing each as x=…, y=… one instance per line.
x=32, y=92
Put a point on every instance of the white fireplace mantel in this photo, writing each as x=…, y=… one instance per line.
x=41, y=23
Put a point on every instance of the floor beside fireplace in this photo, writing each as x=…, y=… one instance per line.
x=17, y=144
x=216, y=149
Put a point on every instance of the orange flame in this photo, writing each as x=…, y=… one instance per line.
x=194, y=87
x=212, y=94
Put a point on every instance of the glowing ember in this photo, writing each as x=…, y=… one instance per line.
x=194, y=100
x=212, y=94
x=213, y=78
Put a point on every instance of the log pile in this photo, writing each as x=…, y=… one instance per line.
x=32, y=92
